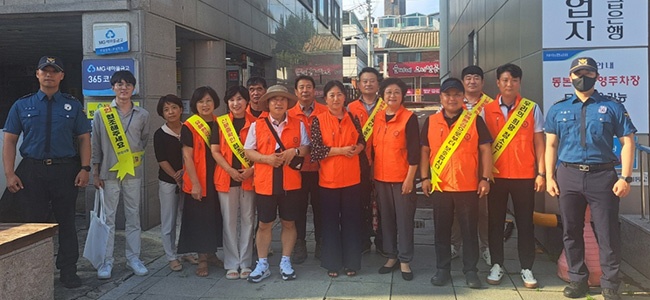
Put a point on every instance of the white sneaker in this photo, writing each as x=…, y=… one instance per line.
x=261, y=271
x=496, y=273
x=528, y=278
x=287, y=270
x=104, y=271
x=137, y=267
x=485, y=254
x=454, y=252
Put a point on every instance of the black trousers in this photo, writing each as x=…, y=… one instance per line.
x=577, y=190
x=309, y=194
x=51, y=190
x=368, y=197
x=522, y=192
x=341, y=212
x=465, y=204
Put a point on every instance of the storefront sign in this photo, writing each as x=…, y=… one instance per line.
x=623, y=74
x=317, y=70
x=594, y=23
x=424, y=91
x=414, y=69
x=111, y=38
x=96, y=75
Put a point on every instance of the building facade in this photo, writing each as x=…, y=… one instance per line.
x=173, y=47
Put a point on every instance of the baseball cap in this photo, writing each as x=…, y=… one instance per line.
x=452, y=83
x=50, y=61
x=583, y=63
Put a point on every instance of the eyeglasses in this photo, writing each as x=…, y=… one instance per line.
x=124, y=85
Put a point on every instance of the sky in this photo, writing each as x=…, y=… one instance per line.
x=412, y=6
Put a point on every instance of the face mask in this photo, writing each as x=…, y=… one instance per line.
x=583, y=83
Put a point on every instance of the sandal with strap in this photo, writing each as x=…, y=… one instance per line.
x=350, y=272
x=175, y=265
x=202, y=268
x=244, y=273
x=232, y=274
x=190, y=259
x=333, y=274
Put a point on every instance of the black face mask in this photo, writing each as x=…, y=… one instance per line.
x=584, y=83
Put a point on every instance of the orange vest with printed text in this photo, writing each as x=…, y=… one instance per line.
x=296, y=112
x=263, y=176
x=518, y=159
x=389, y=145
x=198, y=158
x=338, y=171
x=460, y=174
x=221, y=177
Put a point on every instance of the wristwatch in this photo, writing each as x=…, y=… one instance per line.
x=486, y=179
x=627, y=179
x=297, y=152
x=86, y=168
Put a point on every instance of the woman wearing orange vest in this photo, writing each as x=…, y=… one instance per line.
x=337, y=143
x=201, y=226
x=454, y=164
x=396, y=146
x=234, y=183
x=519, y=171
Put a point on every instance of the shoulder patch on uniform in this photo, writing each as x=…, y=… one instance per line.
x=28, y=95
x=610, y=98
x=68, y=96
x=561, y=100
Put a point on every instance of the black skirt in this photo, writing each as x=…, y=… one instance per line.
x=201, y=223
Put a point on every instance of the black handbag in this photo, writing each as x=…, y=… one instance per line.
x=296, y=162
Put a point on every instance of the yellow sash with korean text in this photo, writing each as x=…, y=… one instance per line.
x=201, y=127
x=232, y=138
x=367, y=128
x=125, y=158
x=485, y=99
x=510, y=129
x=450, y=145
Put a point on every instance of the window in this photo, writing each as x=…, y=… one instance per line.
x=387, y=22
x=347, y=50
x=308, y=4
x=322, y=11
x=408, y=57
x=414, y=21
x=336, y=19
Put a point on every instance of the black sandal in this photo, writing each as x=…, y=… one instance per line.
x=350, y=272
x=333, y=274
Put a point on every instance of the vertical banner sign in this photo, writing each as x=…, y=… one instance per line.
x=96, y=75
x=111, y=38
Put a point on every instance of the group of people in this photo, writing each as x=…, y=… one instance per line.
x=276, y=152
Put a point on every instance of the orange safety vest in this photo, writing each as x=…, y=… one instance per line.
x=296, y=112
x=389, y=143
x=358, y=109
x=461, y=172
x=198, y=158
x=338, y=171
x=263, y=115
x=263, y=176
x=221, y=177
x=518, y=159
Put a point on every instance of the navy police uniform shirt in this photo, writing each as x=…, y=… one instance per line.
x=586, y=131
x=29, y=115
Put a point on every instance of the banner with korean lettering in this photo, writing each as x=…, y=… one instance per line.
x=414, y=69
x=623, y=74
x=594, y=23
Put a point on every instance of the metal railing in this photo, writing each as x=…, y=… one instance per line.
x=645, y=191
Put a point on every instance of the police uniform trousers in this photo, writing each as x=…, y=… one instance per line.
x=341, y=213
x=309, y=194
x=52, y=186
x=522, y=193
x=577, y=190
x=465, y=206
x=397, y=220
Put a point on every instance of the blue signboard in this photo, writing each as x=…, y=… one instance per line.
x=96, y=75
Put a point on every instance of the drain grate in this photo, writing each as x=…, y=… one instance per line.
x=419, y=223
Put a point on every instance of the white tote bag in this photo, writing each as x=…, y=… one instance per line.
x=95, y=248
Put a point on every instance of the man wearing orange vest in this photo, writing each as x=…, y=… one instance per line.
x=472, y=77
x=454, y=142
x=256, y=88
x=277, y=186
x=362, y=108
x=306, y=110
x=516, y=124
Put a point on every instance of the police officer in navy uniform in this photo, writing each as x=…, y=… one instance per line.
x=47, y=179
x=580, y=133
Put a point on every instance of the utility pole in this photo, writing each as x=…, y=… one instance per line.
x=371, y=49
